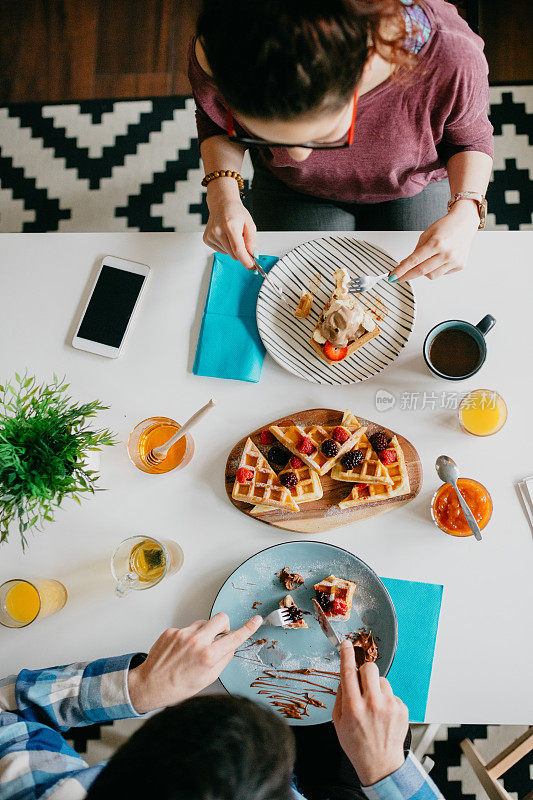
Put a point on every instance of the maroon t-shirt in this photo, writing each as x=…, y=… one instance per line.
x=404, y=132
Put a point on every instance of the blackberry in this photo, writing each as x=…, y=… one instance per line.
x=330, y=448
x=379, y=441
x=278, y=455
x=289, y=479
x=324, y=601
x=352, y=459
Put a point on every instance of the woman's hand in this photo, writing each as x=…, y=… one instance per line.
x=230, y=228
x=370, y=721
x=184, y=661
x=444, y=247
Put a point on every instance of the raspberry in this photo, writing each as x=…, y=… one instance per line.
x=296, y=463
x=340, y=435
x=244, y=474
x=388, y=456
x=339, y=607
x=266, y=437
x=289, y=479
x=379, y=441
x=306, y=446
x=278, y=455
x=352, y=459
x=330, y=448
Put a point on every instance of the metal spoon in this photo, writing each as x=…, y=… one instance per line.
x=448, y=473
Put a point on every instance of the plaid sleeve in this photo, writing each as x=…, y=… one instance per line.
x=409, y=781
x=73, y=695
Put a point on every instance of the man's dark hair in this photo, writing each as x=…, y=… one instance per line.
x=213, y=747
x=278, y=59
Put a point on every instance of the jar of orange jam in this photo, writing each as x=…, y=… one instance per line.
x=447, y=513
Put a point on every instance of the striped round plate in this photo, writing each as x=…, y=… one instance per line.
x=287, y=338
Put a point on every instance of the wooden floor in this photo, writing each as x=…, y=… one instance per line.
x=54, y=50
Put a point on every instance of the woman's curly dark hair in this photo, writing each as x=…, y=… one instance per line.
x=278, y=59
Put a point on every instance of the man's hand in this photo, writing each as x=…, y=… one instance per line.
x=370, y=721
x=444, y=247
x=184, y=661
x=230, y=228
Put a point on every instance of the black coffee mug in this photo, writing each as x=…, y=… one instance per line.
x=476, y=332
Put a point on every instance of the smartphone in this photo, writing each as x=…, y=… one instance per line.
x=108, y=315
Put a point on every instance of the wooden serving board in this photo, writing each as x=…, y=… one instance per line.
x=322, y=515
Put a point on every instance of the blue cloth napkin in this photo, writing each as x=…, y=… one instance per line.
x=417, y=608
x=229, y=345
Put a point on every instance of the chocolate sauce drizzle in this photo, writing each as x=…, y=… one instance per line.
x=292, y=703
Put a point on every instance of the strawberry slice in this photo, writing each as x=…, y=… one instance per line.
x=335, y=353
x=244, y=474
x=339, y=608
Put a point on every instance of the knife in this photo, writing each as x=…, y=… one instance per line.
x=334, y=637
x=327, y=627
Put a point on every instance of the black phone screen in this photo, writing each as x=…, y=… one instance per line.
x=112, y=302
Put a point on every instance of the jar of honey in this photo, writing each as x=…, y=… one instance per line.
x=446, y=510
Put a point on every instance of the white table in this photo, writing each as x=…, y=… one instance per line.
x=484, y=647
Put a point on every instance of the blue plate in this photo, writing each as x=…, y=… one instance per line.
x=255, y=580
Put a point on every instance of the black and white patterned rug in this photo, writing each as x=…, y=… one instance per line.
x=117, y=165
x=452, y=773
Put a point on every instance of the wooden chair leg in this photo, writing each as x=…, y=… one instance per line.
x=494, y=790
x=511, y=755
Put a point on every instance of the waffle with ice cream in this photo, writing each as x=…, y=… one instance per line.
x=365, y=465
x=256, y=482
x=363, y=493
x=308, y=486
x=320, y=447
x=344, y=324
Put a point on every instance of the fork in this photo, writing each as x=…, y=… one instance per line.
x=363, y=283
x=268, y=278
x=279, y=618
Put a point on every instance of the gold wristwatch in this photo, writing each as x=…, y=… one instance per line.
x=479, y=200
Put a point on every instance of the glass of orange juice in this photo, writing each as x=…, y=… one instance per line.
x=482, y=412
x=154, y=432
x=22, y=601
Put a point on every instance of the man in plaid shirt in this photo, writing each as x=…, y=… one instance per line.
x=207, y=747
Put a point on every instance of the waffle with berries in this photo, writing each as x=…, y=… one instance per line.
x=370, y=470
x=256, y=482
x=363, y=493
x=334, y=596
x=363, y=336
x=308, y=487
x=295, y=613
x=308, y=441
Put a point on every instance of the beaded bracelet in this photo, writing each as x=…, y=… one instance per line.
x=225, y=173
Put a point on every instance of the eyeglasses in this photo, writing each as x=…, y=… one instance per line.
x=251, y=141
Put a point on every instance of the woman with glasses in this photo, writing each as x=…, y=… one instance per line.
x=359, y=114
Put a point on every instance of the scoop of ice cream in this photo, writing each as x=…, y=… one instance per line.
x=341, y=321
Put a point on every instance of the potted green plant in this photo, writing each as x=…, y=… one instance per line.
x=45, y=446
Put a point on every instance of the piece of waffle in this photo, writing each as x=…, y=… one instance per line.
x=308, y=487
x=363, y=336
x=362, y=493
x=335, y=589
x=288, y=602
x=290, y=436
x=264, y=488
x=371, y=470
